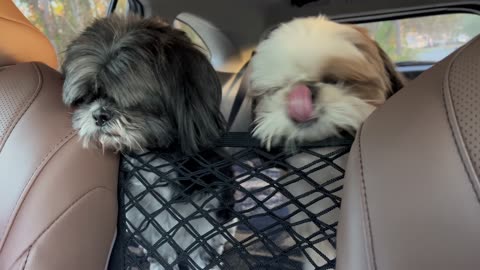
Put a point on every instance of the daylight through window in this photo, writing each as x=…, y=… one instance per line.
x=421, y=39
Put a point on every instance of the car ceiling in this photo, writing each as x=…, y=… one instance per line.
x=243, y=21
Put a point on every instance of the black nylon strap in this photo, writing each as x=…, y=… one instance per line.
x=241, y=93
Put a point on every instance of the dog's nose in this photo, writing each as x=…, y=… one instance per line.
x=101, y=117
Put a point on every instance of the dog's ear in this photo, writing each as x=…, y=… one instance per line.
x=198, y=93
x=71, y=90
x=362, y=40
x=76, y=75
x=397, y=80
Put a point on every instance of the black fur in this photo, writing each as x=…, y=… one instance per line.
x=157, y=85
x=201, y=176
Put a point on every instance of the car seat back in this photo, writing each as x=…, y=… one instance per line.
x=412, y=191
x=58, y=201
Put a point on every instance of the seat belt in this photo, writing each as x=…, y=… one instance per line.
x=240, y=96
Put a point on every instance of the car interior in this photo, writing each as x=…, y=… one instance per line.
x=411, y=194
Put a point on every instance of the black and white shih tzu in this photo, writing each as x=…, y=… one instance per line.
x=310, y=79
x=138, y=84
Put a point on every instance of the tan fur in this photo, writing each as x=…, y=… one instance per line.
x=393, y=80
x=350, y=76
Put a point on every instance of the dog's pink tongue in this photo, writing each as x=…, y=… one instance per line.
x=300, y=106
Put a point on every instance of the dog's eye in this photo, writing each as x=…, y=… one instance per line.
x=78, y=101
x=269, y=91
x=330, y=80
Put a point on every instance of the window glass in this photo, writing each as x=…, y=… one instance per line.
x=121, y=7
x=196, y=39
x=428, y=38
x=62, y=20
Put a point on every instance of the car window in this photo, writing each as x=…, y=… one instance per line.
x=196, y=39
x=424, y=39
x=62, y=20
x=121, y=7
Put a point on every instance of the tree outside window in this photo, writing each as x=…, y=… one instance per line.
x=62, y=20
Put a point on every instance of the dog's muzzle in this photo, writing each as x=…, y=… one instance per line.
x=101, y=117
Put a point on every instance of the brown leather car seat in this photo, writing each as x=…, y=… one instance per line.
x=58, y=202
x=20, y=41
x=412, y=191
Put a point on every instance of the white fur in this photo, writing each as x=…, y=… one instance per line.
x=168, y=220
x=299, y=51
x=339, y=110
x=295, y=52
x=89, y=132
x=298, y=189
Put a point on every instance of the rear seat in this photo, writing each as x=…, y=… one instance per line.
x=58, y=201
x=412, y=190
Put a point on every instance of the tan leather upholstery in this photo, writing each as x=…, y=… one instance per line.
x=411, y=198
x=58, y=202
x=20, y=41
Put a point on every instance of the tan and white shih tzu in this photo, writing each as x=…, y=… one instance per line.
x=312, y=78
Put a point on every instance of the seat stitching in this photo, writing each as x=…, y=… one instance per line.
x=20, y=22
x=38, y=169
x=30, y=182
x=453, y=125
x=10, y=129
x=365, y=200
x=23, y=110
x=26, y=258
x=31, y=27
x=67, y=210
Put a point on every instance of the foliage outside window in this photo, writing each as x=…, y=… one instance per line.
x=429, y=38
x=62, y=20
x=121, y=7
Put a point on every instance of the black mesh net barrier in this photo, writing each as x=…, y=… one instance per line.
x=236, y=206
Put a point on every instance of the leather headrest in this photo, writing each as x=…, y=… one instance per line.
x=20, y=41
